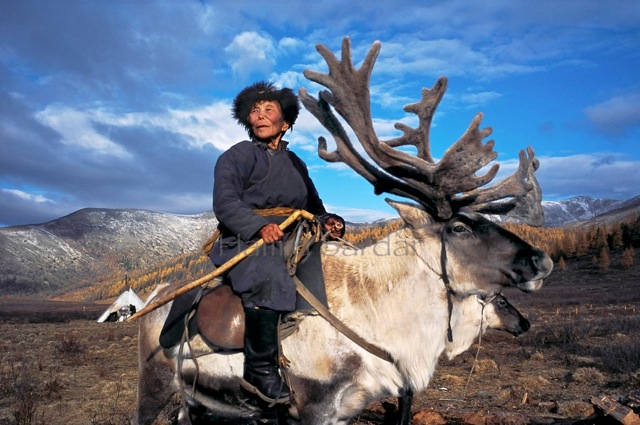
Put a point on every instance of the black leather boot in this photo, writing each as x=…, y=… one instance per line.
x=261, y=374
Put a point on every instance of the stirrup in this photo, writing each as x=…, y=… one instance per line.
x=254, y=390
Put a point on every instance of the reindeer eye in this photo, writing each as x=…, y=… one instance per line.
x=460, y=228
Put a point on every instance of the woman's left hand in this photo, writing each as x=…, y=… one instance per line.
x=335, y=227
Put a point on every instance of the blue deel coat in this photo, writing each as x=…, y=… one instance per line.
x=251, y=176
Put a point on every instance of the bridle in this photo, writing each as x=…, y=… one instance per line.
x=444, y=276
x=445, y=279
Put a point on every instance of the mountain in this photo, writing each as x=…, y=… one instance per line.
x=616, y=212
x=577, y=209
x=62, y=254
x=73, y=251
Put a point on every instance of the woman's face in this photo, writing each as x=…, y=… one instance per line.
x=266, y=120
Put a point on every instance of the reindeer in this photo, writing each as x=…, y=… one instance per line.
x=397, y=295
x=472, y=316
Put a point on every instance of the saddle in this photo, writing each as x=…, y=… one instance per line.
x=217, y=314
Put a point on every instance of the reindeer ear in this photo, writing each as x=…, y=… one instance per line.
x=414, y=215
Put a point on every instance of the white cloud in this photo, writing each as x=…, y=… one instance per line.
x=76, y=128
x=601, y=175
x=205, y=125
x=291, y=79
x=474, y=100
x=290, y=43
x=617, y=115
x=436, y=57
x=207, y=19
x=362, y=215
x=21, y=206
x=31, y=197
x=211, y=124
x=250, y=52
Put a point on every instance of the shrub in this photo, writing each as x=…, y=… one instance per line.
x=28, y=394
x=619, y=356
x=69, y=343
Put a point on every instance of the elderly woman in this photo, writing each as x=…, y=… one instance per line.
x=258, y=174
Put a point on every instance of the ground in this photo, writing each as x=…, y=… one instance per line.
x=59, y=366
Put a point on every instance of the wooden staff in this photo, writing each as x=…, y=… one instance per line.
x=220, y=270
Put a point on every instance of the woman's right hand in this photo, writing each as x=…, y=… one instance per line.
x=271, y=233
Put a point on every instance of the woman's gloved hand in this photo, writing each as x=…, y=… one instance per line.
x=334, y=225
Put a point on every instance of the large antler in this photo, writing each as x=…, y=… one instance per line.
x=443, y=186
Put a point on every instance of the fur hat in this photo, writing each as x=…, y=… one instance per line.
x=263, y=90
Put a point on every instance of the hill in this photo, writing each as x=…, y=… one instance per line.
x=95, y=253
x=64, y=254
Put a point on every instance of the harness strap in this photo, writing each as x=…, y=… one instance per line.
x=264, y=212
x=447, y=282
x=208, y=245
x=284, y=211
x=186, y=340
x=340, y=326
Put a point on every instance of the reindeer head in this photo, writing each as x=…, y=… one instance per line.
x=442, y=187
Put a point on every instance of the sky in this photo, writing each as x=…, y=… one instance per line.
x=126, y=104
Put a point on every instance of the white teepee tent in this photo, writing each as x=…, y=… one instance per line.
x=121, y=308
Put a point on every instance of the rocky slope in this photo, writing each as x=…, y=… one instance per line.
x=61, y=254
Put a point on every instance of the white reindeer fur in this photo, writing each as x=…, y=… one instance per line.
x=466, y=319
x=396, y=302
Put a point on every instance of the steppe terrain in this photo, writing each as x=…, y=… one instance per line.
x=59, y=366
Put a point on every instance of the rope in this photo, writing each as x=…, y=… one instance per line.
x=444, y=277
x=447, y=283
x=265, y=212
x=340, y=326
x=475, y=360
x=186, y=340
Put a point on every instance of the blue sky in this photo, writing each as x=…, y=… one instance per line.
x=124, y=104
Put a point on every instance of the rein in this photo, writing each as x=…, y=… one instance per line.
x=447, y=283
x=444, y=276
x=338, y=324
x=445, y=279
x=483, y=303
x=304, y=238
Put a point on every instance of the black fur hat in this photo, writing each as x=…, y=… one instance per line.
x=263, y=90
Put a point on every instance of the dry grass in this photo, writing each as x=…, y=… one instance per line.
x=60, y=367
x=67, y=373
x=584, y=341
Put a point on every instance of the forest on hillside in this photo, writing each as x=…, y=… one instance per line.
x=600, y=243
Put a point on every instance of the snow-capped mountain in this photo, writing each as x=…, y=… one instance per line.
x=62, y=254
x=579, y=208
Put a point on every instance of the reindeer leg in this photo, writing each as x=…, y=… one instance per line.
x=404, y=406
x=282, y=416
